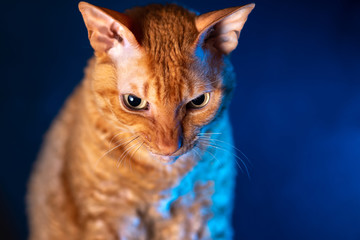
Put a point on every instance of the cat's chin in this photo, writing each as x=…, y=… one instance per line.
x=164, y=159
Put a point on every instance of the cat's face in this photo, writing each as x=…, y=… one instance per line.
x=166, y=83
x=167, y=107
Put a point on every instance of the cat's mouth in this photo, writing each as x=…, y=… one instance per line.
x=169, y=159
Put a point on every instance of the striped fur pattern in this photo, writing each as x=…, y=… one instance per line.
x=109, y=172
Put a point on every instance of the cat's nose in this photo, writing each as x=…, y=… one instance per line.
x=170, y=146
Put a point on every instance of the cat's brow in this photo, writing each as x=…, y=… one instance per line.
x=145, y=89
x=202, y=88
x=133, y=86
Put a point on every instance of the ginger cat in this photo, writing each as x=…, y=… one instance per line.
x=136, y=153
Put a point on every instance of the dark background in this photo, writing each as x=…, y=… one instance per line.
x=296, y=110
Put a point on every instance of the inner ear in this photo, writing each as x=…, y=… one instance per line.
x=221, y=29
x=107, y=28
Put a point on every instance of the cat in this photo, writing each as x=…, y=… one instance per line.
x=136, y=153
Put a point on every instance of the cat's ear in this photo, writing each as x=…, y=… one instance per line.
x=221, y=29
x=107, y=29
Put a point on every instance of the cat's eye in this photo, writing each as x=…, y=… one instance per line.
x=134, y=103
x=200, y=101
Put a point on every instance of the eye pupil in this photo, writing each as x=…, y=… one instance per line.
x=134, y=101
x=199, y=100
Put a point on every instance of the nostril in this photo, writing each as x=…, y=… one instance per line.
x=170, y=147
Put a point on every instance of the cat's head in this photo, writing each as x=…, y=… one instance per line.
x=160, y=70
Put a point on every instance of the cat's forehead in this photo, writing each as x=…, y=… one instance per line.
x=168, y=26
x=167, y=34
x=160, y=82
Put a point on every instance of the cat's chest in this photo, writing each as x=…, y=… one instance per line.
x=182, y=211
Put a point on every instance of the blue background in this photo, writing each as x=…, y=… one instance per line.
x=296, y=110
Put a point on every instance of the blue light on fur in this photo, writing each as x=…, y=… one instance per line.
x=199, y=53
x=217, y=167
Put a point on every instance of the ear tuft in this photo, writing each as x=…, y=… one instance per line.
x=221, y=29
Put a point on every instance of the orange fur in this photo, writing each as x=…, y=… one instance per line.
x=81, y=190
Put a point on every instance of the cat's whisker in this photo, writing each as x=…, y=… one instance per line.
x=125, y=153
x=121, y=157
x=230, y=145
x=122, y=141
x=197, y=153
x=133, y=154
x=117, y=146
x=125, y=158
x=116, y=136
x=208, y=133
x=213, y=156
x=128, y=151
x=214, y=145
x=210, y=144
